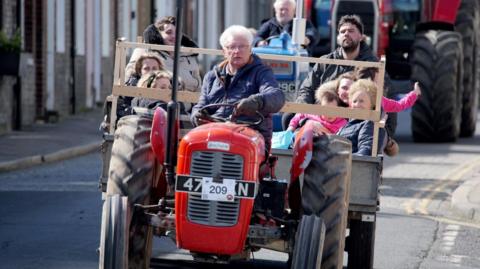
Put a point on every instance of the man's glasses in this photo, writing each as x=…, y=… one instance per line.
x=237, y=47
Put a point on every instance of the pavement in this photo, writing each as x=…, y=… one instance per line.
x=72, y=136
x=78, y=134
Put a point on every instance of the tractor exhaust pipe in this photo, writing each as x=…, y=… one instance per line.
x=172, y=106
x=299, y=25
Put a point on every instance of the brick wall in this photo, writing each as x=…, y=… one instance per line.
x=6, y=100
x=8, y=26
x=27, y=73
x=80, y=86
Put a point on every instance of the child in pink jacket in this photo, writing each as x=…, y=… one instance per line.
x=326, y=95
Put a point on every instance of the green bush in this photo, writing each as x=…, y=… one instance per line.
x=13, y=44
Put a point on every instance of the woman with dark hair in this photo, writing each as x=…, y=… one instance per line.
x=163, y=33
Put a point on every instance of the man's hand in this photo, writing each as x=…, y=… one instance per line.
x=250, y=105
x=199, y=117
x=306, y=41
x=262, y=43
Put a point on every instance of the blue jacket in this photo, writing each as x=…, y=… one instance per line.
x=273, y=28
x=360, y=133
x=253, y=78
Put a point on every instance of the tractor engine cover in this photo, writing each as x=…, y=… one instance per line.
x=222, y=153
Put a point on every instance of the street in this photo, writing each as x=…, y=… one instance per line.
x=50, y=214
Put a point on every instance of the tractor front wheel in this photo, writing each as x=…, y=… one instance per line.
x=325, y=193
x=307, y=253
x=114, y=238
x=131, y=175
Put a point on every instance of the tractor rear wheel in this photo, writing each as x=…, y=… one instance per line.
x=307, y=253
x=437, y=66
x=325, y=193
x=468, y=25
x=130, y=175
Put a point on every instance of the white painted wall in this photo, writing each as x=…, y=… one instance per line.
x=126, y=19
x=60, y=26
x=50, y=106
x=133, y=21
x=97, y=49
x=106, y=31
x=235, y=13
x=89, y=52
x=165, y=8
x=80, y=27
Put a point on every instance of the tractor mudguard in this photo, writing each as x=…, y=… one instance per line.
x=158, y=136
x=302, y=150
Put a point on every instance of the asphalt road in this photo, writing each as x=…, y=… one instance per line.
x=50, y=215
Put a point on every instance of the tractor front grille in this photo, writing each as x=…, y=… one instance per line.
x=210, y=164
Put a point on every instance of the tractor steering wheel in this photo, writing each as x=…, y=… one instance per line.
x=232, y=118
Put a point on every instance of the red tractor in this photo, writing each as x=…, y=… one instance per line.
x=216, y=193
x=434, y=42
x=224, y=205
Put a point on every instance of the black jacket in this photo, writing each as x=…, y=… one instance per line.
x=273, y=28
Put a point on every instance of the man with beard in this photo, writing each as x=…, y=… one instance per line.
x=351, y=47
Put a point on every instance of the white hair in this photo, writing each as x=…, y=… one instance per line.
x=278, y=2
x=235, y=30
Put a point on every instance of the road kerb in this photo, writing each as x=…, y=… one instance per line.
x=461, y=203
x=50, y=157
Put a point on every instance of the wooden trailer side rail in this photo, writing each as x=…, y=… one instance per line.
x=192, y=97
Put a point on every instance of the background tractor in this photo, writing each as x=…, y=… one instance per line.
x=434, y=42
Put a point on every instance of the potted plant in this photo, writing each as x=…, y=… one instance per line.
x=10, y=53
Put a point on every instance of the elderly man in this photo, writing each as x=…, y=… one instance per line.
x=283, y=22
x=241, y=78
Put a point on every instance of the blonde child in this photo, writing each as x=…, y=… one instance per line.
x=325, y=95
x=388, y=105
x=362, y=95
x=157, y=79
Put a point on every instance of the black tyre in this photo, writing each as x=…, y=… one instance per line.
x=130, y=174
x=325, y=193
x=437, y=66
x=360, y=244
x=114, y=241
x=307, y=253
x=468, y=25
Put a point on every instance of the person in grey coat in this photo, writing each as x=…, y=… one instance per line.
x=241, y=79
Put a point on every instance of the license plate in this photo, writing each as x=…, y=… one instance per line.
x=226, y=190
